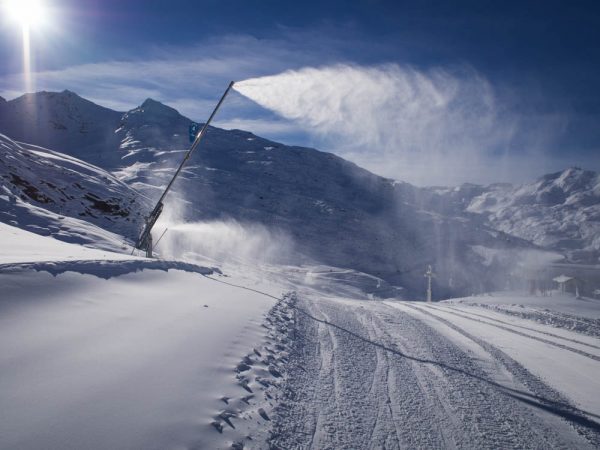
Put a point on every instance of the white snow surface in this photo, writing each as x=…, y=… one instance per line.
x=99, y=349
x=135, y=360
x=20, y=246
x=138, y=361
x=566, y=360
x=105, y=351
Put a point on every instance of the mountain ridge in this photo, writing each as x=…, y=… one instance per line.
x=337, y=211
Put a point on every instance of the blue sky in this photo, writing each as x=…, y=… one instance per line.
x=538, y=61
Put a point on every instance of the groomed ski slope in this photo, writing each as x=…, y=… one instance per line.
x=413, y=375
x=101, y=351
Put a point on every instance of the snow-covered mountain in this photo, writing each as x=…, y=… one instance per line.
x=335, y=211
x=51, y=193
x=558, y=212
x=59, y=121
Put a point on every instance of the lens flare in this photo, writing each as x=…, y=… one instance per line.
x=31, y=15
x=28, y=13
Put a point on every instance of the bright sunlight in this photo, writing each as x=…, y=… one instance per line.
x=28, y=13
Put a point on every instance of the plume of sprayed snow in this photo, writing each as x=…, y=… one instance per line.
x=219, y=241
x=226, y=241
x=397, y=121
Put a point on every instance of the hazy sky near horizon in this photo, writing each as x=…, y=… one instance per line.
x=430, y=92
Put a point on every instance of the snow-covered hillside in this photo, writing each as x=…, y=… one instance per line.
x=101, y=350
x=560, y=211
x=51, y=193
x=59, y=121
x=335, y=212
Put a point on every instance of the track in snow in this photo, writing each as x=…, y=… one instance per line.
x=510, y=329
x=368, y=375
x=530, y=329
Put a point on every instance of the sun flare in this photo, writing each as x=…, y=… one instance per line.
x=28, y=13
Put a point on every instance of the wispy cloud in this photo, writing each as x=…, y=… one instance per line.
x=190, y=77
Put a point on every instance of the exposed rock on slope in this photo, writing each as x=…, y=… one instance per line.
x=37, y=182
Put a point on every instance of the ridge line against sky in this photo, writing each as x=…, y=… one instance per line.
x=538, y=76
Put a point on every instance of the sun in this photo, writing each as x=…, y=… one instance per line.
x=28, y=13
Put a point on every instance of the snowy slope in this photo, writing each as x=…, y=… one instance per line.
x=20, y=246
x=52, y=193
x=142, y=360
x=560, y=211
x=61, y=120
x=334, y=211
x=102, y=350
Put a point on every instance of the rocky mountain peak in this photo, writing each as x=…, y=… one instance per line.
x=151, y=106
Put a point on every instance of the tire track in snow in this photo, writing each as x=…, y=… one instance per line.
x=429, y=403
x=473, y=412
x=433, y=394
x=519, y=333
x=483, y=316
x=588, y=327
x=470, y=410
x=544, y=397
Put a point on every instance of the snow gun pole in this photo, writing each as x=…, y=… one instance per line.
x=429, y=274
x=145, y=240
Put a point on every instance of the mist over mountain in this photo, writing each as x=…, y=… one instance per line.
x=559, y=211
x=336, y=212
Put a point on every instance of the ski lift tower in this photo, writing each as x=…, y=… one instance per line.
x=144, y=242
x=429, y=275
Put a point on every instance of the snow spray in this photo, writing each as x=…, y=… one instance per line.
x=390, y=116
x=220, y=241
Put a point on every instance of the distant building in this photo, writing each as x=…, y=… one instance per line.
x=567, y=284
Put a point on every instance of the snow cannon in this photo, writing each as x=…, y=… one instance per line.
x=144, y=242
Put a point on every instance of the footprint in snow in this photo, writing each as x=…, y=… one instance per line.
x=263, y=414
x=218, y=426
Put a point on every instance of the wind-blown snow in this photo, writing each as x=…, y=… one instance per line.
x=425, y=127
